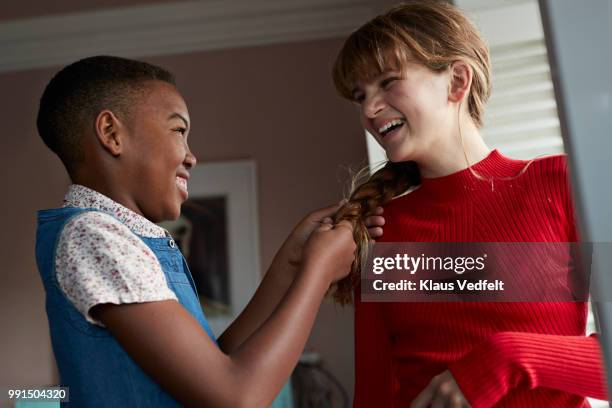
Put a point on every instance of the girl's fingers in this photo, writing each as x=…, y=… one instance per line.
x=325, y=226
x=439, y=402
x=374, y=221
x=344, y=224
x=458, y=402
x=375, y=232
x=423, y=400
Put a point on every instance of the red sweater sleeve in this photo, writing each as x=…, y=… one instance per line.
x=572, y=364
x=373, y=368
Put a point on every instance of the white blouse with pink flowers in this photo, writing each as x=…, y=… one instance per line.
x=99, y=258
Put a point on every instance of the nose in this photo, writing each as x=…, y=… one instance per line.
x=190, y=159
x=372, y=105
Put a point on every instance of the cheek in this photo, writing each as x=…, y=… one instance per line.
x=406, y=100
x=421, y=98
x=173, y=154
x=438, y=88
x=425, y=105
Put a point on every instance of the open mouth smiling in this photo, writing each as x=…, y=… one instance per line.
x=181, y=183
x=390, y=127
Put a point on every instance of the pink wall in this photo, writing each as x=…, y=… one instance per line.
x=274, y=104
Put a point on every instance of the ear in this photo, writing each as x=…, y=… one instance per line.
x=460, y=81
x=110, y=132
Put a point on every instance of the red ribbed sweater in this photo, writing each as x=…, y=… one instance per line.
x=500, y=353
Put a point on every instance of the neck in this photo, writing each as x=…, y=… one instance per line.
x=106, y=186
x=463, y=150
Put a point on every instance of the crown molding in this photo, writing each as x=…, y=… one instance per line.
x=174, y=28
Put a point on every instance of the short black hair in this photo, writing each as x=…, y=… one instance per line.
x=77, y=93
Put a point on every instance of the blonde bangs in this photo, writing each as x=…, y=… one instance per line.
x=366, y=54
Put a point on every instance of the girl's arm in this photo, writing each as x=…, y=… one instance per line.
x=169, y=344
x=507, y=360
x=572, y=364
x=281, y=274
x=276, y=282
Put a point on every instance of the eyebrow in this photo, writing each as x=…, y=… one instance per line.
x=179, y=116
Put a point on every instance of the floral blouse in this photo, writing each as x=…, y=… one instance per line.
x=100, y=259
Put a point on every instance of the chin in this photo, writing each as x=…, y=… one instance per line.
x=401, y=154
x=173, y=215
x=397, y=158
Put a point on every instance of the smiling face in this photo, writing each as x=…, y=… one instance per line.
x=408, y=113
x=157, y=158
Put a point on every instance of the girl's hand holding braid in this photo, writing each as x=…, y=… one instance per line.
x=291, y=251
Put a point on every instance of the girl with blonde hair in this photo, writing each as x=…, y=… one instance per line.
x=421, y=75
